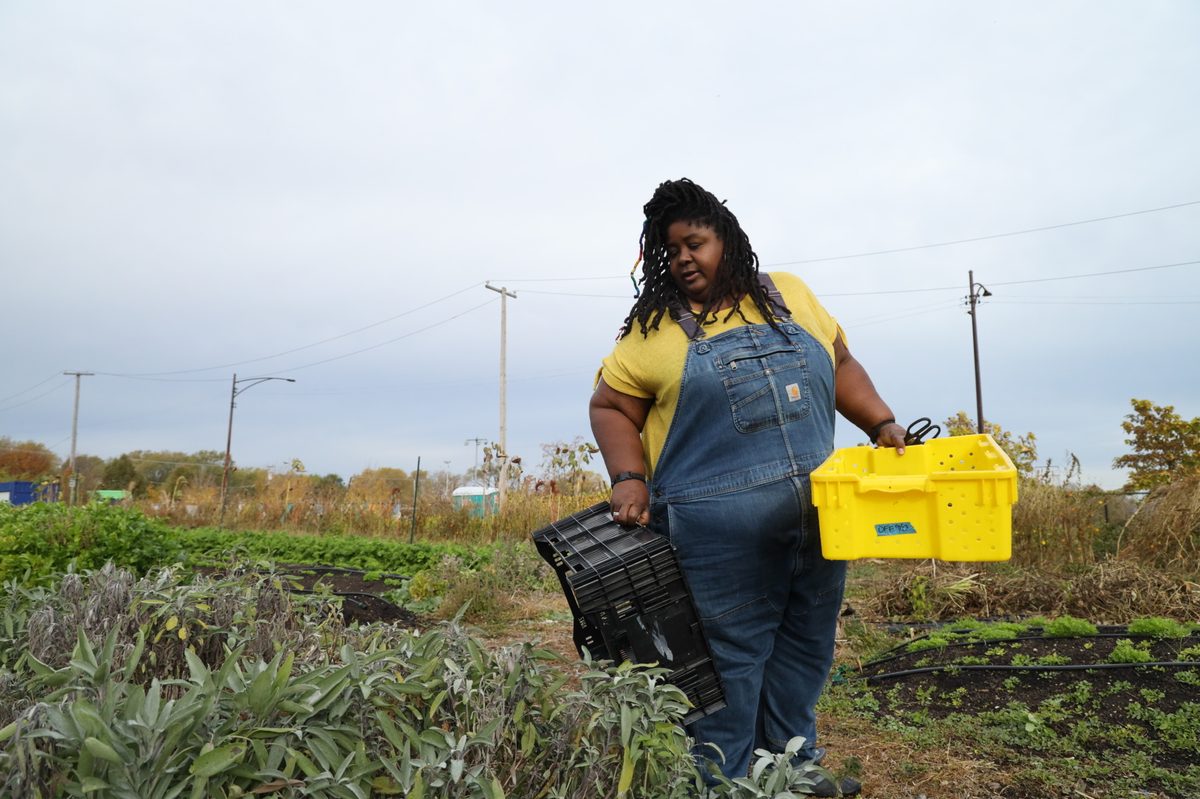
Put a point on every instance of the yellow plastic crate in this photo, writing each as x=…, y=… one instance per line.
x=949, y=498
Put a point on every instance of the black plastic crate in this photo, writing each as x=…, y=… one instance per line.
x=630, y=600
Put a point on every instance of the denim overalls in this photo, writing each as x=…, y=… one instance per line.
x=731, y=490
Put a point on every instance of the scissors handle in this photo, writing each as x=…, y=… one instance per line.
x=924, y=428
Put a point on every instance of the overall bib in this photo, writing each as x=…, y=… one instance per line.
x=731, y=491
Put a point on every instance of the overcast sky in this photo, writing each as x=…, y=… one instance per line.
x=320, y=191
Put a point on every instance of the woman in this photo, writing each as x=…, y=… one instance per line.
x=713, y=408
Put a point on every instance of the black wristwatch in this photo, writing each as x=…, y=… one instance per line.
x=874, y=432
x=628, y=476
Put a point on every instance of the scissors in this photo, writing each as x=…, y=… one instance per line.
x=926, y=428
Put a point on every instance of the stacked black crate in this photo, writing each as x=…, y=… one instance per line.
x=630, y=601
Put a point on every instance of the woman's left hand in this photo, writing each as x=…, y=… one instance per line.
x=892, y=435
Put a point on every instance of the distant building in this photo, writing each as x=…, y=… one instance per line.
x=109, y=495
x=24, y=492
x=479, y=501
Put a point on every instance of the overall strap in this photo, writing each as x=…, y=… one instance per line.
x=774, y=295
x=691, y=328
x=686, y=319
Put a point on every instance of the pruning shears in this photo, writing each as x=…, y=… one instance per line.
x=925, y=428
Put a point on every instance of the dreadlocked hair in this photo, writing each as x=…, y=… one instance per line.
x=737, y=275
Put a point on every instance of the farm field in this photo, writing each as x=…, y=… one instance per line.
x=952, y=680
x=1041, y=725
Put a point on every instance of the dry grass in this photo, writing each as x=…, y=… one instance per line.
x=1111, y=592
x=891, y=768
x=1165, y=530
x=1056, y=524
x=437, y=519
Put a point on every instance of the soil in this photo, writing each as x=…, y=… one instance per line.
x=1049, y=670
x=361, y=600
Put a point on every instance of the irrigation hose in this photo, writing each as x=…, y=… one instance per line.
x=1006, y=667
x=903, y=649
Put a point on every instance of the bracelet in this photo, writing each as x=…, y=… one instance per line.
x=623, y=476
x=874, y=432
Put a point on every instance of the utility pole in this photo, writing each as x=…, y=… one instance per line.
x=475, y=463
x=412, y=532
x=504, y=295
x=75, y=433
x=974, y=292
x=251, y=382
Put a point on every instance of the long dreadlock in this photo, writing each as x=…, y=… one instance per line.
x=736, y=277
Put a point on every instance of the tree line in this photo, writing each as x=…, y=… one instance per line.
x=1163, y=447
x=171, y=475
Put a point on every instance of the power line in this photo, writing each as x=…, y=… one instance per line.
x=1134, y=298
x=1069, y=301
x=1022, y=232
x=147, y=375
x=891, y=250
x=1012, y=282
x=889, y=291
x=389, y=341
x=307, y=365
x=166, y=379
x=884, y=292
x=1096, y=274
x=59, y=387
x=31, y=388
x=576, y=294
x=559, y=279
x=904, y=313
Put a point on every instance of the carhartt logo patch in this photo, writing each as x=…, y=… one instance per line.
x=793, y=392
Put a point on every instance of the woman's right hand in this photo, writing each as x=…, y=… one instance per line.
x=630, y=503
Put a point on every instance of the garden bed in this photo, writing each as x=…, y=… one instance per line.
x=1091, y=705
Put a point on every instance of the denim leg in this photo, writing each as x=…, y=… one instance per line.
x=796, y=672
x=736, y=551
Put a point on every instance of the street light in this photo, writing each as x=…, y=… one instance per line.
x=974, y=292
x=250, y=382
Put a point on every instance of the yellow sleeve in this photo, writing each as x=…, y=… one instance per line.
x=625, y=368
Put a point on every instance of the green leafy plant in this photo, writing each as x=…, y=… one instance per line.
x=1069, y=627
x=781, y=775
x=1126, y=651
x=935, y=641
x=1158, y=627
x=233, y=687
x=42, y=540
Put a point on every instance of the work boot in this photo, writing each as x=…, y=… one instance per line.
x=846, y=786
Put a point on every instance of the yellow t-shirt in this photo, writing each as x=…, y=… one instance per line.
x=651, y=367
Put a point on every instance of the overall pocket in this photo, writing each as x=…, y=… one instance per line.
x=767, y=387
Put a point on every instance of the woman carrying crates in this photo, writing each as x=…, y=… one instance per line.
x=716, y=403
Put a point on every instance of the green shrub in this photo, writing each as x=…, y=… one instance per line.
x=209, y=546
x=42, y=540
x=266, y=693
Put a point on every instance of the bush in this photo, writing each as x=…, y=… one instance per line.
x=45, y=539
x=273, y=693
x=210, y=546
